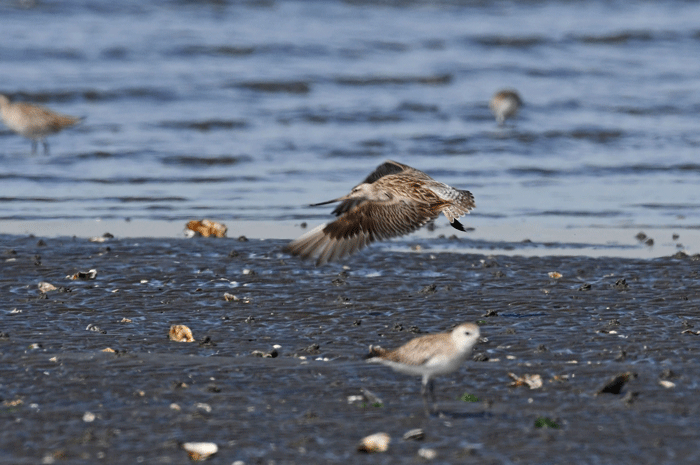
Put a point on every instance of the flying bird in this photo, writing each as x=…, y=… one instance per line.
x=392, y=201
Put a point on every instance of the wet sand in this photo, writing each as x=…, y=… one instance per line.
x=63, y=400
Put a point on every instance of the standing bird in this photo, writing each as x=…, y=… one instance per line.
x=504, y=105
x=34, y=122
x=429, y=356
x=392, y=201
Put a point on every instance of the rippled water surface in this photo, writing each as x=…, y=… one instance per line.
x=248, y=111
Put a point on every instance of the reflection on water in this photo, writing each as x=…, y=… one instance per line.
x=239, y=112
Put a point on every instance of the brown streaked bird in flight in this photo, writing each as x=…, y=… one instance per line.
x=392, y=201
x=33, y=121
x=504, y=105
x=429, y=356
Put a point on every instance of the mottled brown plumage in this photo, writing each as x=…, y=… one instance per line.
x=429, y=356
x=392, y=201
x=33, y=121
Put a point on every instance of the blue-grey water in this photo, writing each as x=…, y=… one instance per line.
x=248, y=111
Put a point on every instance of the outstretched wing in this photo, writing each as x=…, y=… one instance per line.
x=362, y=225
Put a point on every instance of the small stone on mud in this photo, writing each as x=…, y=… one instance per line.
x=230, y=297
x=427, y=454
x=554, y=275
x=430, y=289
x=199, y=451
x=490, y=313
x=615, y=385
x=180, y=333
x=649, y=242
x=88, y=417
x=207, y=342
x=312, y=349
x=667, y=384
x=378, y=442
x=640, y=236
x=109, y=349
x=585, y=287
x=259, y=353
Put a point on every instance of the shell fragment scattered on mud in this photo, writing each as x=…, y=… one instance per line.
x=199, y=451
x=180, y=333
x=84, y=275
x=45, y=287
x=533, y=381
x=427, y=454
x=378, y=442
x=416, y=434
x=207, y=228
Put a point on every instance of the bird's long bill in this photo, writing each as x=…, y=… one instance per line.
x=327, y=202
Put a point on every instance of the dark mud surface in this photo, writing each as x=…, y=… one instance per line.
x=63, y=400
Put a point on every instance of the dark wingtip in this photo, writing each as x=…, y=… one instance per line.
x=457, y=225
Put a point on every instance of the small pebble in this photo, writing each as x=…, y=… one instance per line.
x=427, y=454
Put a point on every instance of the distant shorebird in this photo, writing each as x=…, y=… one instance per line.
x=34, y=122
x=429, y=356
x=504, y=105
x=392, y=201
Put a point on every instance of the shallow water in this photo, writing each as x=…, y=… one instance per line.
x=247, y=112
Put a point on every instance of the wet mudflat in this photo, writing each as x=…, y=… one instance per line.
x=64, y=400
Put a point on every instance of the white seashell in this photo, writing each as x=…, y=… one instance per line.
x=200, y=450
x=378, y=442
